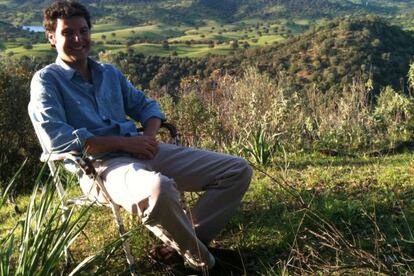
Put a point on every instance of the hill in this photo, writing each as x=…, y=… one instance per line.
x=332, y=54
x=193, y=12
x=328, y=56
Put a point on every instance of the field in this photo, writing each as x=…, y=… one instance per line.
x=307, y=213
x=183, y=41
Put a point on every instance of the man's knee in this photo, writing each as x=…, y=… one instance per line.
x=164, y=188
x=163, y=198
x=245, y=172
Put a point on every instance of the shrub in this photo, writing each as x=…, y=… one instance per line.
x=17, y=137
x=196, y=121
x=411, y=76
x=393, y=117
x=253, y=114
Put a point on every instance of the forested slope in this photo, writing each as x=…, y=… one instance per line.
x=195, y=11
x=328, y=57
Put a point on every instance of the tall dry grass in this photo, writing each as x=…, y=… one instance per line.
x=227, y=113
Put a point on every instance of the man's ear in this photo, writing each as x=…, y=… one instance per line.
x=51, y=37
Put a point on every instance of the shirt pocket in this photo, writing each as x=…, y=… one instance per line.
x=114, y=104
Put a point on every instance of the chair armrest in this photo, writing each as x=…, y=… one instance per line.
x=59, y=156
x=171, y=129
x=81, y=161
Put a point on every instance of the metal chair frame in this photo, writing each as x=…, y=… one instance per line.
x=86, y=165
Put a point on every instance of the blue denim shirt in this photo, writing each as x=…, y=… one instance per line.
x=66, y=110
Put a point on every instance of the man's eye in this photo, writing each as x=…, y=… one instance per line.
x=67, y=33
x=84, y=31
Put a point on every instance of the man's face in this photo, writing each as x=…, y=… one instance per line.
x=72, y=39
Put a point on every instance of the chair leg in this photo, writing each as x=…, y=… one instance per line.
x=54, y=172
x=121, y=228
x=125, y=242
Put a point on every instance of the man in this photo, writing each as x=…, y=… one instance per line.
x=80, y=105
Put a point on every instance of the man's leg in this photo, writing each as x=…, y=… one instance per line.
x=155, y=198
x=224, y=178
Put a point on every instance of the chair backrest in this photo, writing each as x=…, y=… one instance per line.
x=50, y=159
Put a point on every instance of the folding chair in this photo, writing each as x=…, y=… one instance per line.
x=85, y=164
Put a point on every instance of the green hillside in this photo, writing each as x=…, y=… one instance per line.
x=328, y=57
x=195, y=27
x=343, y=48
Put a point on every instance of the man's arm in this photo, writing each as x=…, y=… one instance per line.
x=152, y=126
x=48, y=117
x=137, y=105
x=145, y=146
x=140, y=146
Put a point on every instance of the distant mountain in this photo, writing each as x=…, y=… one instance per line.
x=193, y=12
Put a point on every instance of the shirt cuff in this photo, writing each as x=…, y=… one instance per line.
x=82, y=134
x=146, y=117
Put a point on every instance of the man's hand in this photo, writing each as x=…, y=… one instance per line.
x=143, y=147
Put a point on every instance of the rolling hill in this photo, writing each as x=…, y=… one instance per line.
x=332, y=54
x=328, y=57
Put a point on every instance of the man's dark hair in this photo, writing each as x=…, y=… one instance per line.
x=63, y=9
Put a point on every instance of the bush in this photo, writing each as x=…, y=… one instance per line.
x=393, y=117
x=17, y=137
x=196, y=121
x=255, y=114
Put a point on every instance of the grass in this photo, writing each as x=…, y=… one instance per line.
x=307, y=214
x=153, y=32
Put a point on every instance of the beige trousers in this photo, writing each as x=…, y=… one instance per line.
x=151, y=188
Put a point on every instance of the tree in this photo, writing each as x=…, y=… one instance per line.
x=165, y=45
x=234, y=44
x=28, y=46
x=411, y=76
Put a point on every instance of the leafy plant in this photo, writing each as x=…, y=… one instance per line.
x=38, y=242
x=261, y=146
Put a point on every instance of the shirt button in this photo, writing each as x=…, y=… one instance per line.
x=104, y=118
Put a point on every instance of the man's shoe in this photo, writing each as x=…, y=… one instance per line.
x=228, y=260
x=166, y=255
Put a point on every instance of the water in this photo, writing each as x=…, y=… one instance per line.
x=36, y=29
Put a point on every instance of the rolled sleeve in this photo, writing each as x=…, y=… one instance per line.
x=137, y=105
x=82, y=135
x=49, y=120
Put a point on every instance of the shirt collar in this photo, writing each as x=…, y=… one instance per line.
x=70, y=73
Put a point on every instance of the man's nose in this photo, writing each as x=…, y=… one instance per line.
x=77, y=37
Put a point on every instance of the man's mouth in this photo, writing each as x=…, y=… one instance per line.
x=78, y=48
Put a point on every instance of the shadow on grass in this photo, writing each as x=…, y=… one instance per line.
x=318, y=160
x=336, y=233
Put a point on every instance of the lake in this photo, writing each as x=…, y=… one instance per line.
x=36, y=29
